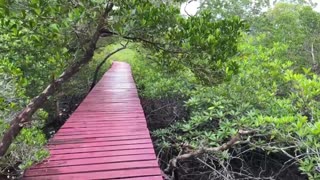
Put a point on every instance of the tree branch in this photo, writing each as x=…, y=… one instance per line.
x=185, y=7
x=173, y=162
x=105, y=33
x=25, y=115
x=95, y=76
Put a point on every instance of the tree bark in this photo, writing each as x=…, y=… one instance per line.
x=312, y=54
x=25, y=115
x=315, y=65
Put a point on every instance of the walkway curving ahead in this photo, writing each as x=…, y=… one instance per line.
x=105, y=138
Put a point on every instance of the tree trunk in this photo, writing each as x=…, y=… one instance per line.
x=315, y=65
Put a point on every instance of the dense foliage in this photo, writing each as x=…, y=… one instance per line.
x=233, y=67
x=274, y=93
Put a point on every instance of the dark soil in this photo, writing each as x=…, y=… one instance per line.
x=163, y=112
x=65, y=106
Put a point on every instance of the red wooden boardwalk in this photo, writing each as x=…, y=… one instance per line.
x=105, y=138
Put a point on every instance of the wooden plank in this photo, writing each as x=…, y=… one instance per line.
x=98, y=139
x=100, y=148
x=105, y=134
x=108, y=117
x=94, y=110
x=68, y=132
x=110, y=123
x=144, y=178
x=91, y=167
x=119, y=116
x=92, y=144
x=59, y=157
x=96, y=160
x=110, y=106
x=126, y=173
x=113, y=136
x=105, y=126
x=104, y=121
x=107, y=114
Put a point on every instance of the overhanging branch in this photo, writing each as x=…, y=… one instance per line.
x=106, y=33
x=95, y=76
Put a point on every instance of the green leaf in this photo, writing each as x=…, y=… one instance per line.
x=55, y=27
x=3, y=3
x=35, y=2
x=4, y=10
x=37, y=10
